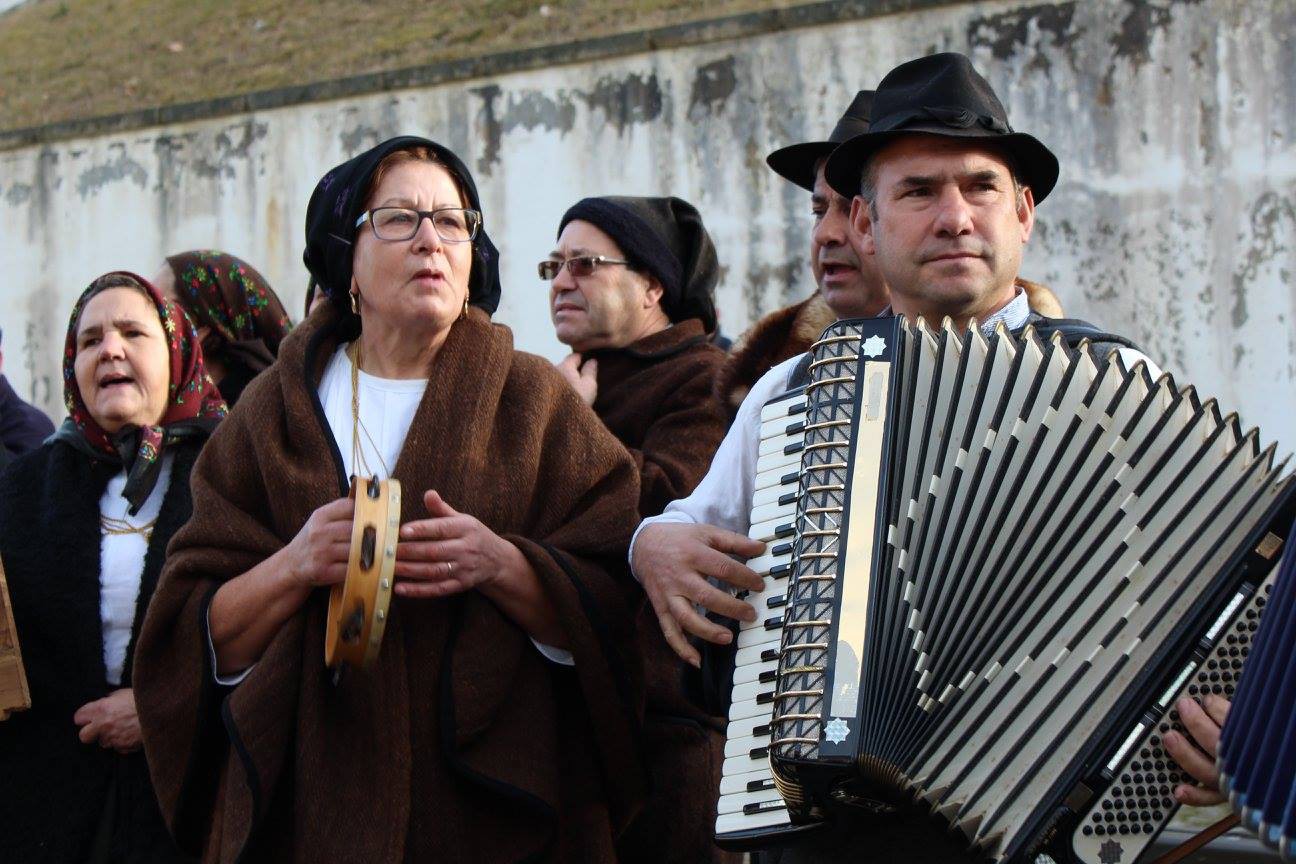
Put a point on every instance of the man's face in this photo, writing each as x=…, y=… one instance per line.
x=611, y=307
x=851, y=286
x=948, y=229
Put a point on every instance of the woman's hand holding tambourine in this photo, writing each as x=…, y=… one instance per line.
x=318, y=554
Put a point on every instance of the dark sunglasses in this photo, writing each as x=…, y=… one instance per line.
x=581, y=265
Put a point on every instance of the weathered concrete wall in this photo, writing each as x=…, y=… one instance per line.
x=1174, y=221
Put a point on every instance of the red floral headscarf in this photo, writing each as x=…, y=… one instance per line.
x=232, y=298
x=193, y=408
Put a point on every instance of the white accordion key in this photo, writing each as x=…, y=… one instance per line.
x=745, y=745
x=781, y=511
x=739, y=781
x=774, y=814
x=785, y=458
x=791, y=405
x=758, y=653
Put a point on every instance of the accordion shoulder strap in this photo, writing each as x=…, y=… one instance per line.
x=800, y=374
x=1074, y=331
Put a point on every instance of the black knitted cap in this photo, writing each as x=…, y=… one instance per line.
x=338, y=201
x=666, y=238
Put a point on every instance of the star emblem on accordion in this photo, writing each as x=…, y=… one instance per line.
x=836, y=730
x=873, y=347
x=1111, y=852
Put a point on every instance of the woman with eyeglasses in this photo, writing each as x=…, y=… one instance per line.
x=498, y=721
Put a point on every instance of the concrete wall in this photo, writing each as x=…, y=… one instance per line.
x=1174, y=220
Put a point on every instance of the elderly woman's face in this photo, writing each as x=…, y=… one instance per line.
x=122, y=364
x=422, y=281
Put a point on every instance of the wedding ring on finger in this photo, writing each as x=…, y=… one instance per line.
x=449, y=569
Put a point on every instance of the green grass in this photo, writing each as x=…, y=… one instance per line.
x=73, y=59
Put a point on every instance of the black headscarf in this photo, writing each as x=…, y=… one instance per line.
x=665, y=237
x=338, y=201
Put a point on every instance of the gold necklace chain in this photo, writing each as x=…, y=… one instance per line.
x=118, y=527
x=358, y=460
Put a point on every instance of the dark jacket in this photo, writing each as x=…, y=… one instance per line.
x=22, y=426
x=57, y=792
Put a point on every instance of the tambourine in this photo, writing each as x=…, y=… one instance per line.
x=357, y=613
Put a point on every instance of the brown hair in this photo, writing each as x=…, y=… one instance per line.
x=421, y=153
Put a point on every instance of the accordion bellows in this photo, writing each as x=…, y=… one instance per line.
x=1010, y=558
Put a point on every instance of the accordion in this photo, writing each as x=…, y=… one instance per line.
x=993, y=564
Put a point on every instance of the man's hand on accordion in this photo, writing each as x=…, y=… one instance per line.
x=676, y=563
x=1203, y=722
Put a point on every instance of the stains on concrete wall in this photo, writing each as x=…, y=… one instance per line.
x=1174, y=121
x=615, y=101
x=118, y=166
x=1270, y=232
x=230, y=146
x=17, y=194
x=624, y=101
x=712, y=86
x=1007, y=34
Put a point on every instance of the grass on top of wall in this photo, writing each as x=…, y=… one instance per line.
x=74, y=59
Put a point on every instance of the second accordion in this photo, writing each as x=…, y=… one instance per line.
x=994, y=564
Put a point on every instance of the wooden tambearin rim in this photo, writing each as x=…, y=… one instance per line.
x=357, y=614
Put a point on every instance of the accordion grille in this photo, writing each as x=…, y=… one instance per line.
x=830, y=400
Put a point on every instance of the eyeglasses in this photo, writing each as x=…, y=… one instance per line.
x=451, y=224
x=581, y=265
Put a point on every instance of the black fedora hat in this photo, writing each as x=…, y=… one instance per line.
x=941, y=95
x=797, y=162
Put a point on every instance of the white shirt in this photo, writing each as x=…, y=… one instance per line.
x=387, y=408
x=723, y=498
x=121, y=566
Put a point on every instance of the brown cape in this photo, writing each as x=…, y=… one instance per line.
x=655, y=395
x=462, y=743
x=791, y=330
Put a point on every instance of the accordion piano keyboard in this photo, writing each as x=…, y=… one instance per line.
x=748, y=799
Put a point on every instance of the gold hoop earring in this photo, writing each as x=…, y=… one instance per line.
x=355, y=302
x=464, y=313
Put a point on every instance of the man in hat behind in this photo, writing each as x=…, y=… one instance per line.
x=947, y=237
x=846, y=287
x=632, y=293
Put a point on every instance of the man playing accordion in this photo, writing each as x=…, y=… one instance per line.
x=944, y=196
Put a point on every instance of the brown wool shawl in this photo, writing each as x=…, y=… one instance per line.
x=655, y=397
x=463, y=742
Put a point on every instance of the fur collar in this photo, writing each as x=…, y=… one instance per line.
x=779, y=335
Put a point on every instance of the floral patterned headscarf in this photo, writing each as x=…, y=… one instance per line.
x=235, y=302
x=193, y=408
